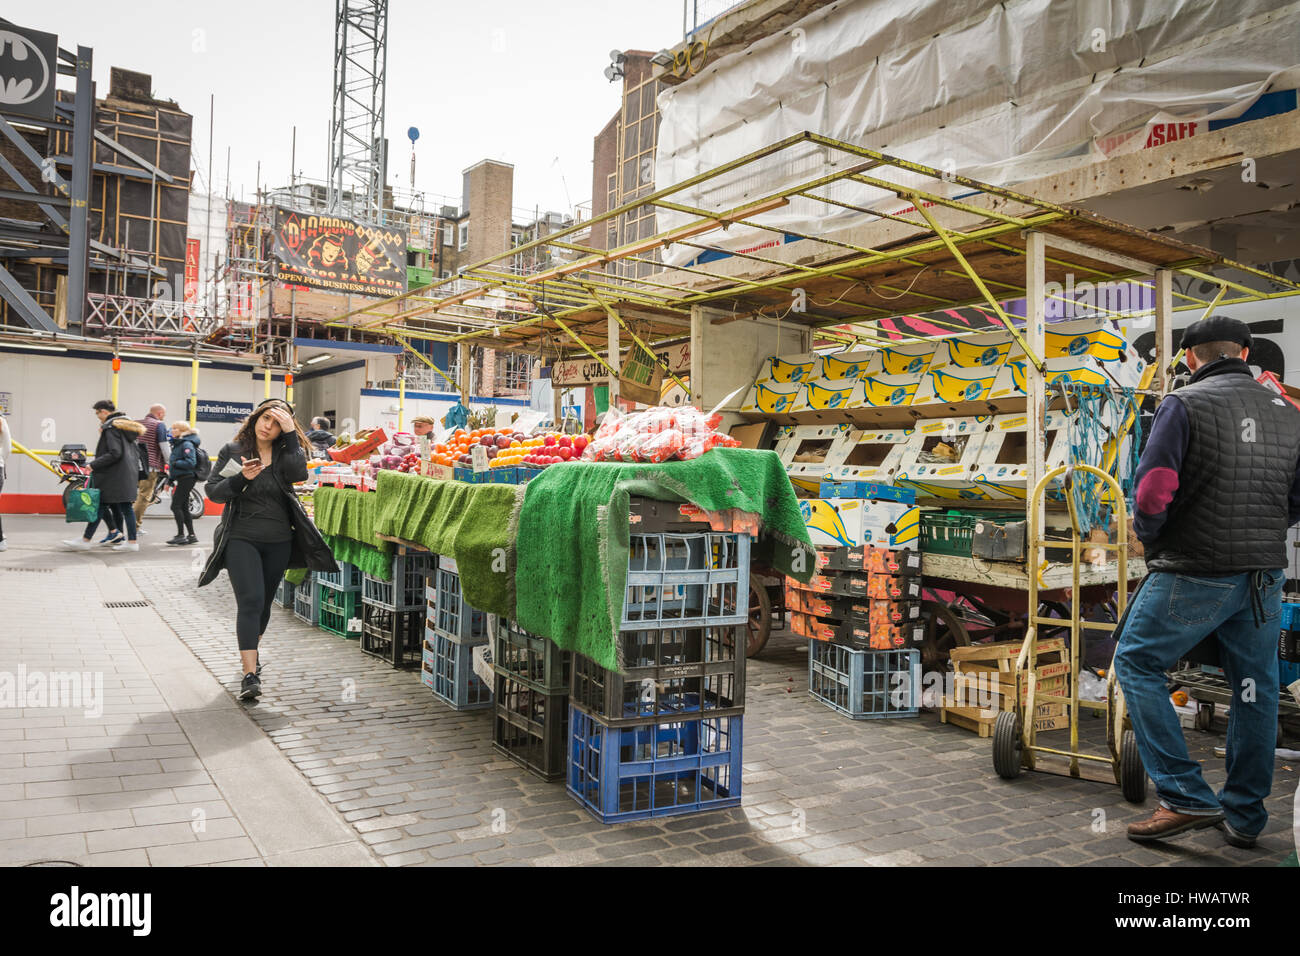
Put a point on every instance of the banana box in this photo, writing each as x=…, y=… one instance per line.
x=849, y=522
x=851, y=364
x=1088, y=369
x=987, y=351
x=911, y=359
x=871, y=455
x=828, y=395
x=1001, y=471
x=954, y=384
x=809, y=452
x=888, y=391
x=1096, y=337
x=790, y=369
x=772, y=398
x=942, y=458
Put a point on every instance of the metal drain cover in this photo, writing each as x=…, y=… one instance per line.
x=118, y=604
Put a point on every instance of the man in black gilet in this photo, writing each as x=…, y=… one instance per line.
x=1217, y=489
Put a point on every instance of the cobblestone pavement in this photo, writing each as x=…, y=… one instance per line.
x=421, y=783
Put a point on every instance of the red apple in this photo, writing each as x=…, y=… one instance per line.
x=492, y=452
x=549, y=440
x=565, y=441
x=581, y=442
x=565, y=452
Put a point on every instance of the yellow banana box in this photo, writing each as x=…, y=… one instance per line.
x=953, y=385
x=826, y=394
x=888, y=391
x=942, y=457
x=988, y=351
x=910, y=359
x=871, y=455
x=851, y=364
x=790, y=369
x=809, y=452
x=849, y=522
x=1001, y=470
x=772, y=398
x=1123, y=372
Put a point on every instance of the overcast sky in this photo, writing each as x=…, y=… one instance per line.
x=515, y=81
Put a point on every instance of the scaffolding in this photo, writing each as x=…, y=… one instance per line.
x=358, y=157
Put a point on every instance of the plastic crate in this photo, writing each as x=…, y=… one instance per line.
x=306, y=601
x=668, y=671
x=405, y=590
x=529, y=657
x=426, y=663
x=346, y=578
x=447, y=611
x=699, y=578
x=338, y=609
x=660, y=767
x=865, y=684
x=1288, y=672
x=454, y=680
x=284, y=593
x=951, y=532
x=393, y=636
x=530, y=726
x=1290, y=616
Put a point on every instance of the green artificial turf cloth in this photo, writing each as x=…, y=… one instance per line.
x=470, y=523
x=346, y=518
x=573, y=537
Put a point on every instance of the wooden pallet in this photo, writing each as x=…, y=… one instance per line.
x=981, y=720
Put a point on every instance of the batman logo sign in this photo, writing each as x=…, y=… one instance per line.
x=25, y=74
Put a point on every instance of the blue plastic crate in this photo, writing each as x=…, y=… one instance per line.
x=450, y=616
x=284, y=593
x=697, y=578
x=1290, y=616
x=503, y=476
x=865, y=684
x=346, y=578
x=527, y=473
x=661, y=767
x=471, y=476
x=454, y=680
x=405, y=589
x=306, y=602
x=1288, y=672
x=865, y=489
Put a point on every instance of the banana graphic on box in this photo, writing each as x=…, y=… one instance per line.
x=827, y=394
x=850, y=365
x=1082, y=337
x=849, y=522
x=772, y=398
x=884, y=391
x=953, y=385
x=907, y=359
x=800, y=369
x=980, y=351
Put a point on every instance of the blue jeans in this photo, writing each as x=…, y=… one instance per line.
x=1171, y=615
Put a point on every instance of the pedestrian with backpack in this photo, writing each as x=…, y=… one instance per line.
x=187, y=465
x=115, y=473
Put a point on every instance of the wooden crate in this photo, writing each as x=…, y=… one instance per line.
x=981, y=720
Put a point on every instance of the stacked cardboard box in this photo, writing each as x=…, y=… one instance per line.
x=864, y=597
x=984, y=684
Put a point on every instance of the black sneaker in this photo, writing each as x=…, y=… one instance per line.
x=1235, y=837
x=191, y=539
x=176, y=539
x=251, y=688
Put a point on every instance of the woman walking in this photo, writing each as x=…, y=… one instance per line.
x=182, y=467
x=115, y=471
x=263, y=528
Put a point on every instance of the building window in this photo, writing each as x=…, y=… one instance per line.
x=446, y=274
x=464, y=235
x=447, y=234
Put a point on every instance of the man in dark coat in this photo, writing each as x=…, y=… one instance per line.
x=1218, y=487
x=116, y=473
x=320, y=436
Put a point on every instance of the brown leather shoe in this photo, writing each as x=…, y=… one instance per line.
x=1165, y=823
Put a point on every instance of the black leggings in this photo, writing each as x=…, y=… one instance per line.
x=118, y=515
x=181, y=488
x=255, y=569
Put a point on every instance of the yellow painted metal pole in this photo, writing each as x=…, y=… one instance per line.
x=117, y=369
x=288, y=387
x=401, y=400
x=266, y=381
x=194, y=393
x=18, y=447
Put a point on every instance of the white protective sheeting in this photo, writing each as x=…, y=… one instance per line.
x=999, y=92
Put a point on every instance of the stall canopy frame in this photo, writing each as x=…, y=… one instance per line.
x=935, y=252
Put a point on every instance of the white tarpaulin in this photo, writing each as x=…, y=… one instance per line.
x=999, y=92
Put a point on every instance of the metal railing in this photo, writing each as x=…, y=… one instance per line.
x=131, y=315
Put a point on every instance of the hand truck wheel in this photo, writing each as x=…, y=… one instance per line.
x=1205, y=715
x=1132, y=775
x=1007, y=746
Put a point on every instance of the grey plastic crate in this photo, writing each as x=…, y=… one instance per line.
x=675, y=579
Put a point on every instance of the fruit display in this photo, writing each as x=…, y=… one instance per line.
x=658, y=434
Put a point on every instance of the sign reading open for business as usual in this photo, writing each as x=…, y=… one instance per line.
x=339, y=255
x=591, y=372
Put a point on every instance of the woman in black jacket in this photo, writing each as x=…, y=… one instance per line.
x=116, y=473
x=263, y=529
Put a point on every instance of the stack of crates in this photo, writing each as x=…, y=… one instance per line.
x=306, y=600
x=665, y=736
x=452, y=630
x=284, y=594
x=531, y=718
x=339, y=594
x=392, y=611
